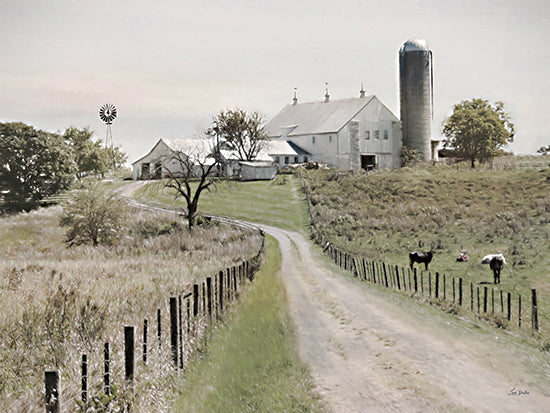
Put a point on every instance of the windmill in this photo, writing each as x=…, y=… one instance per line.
x=107, y=114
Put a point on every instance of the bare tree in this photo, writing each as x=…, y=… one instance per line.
x=190, y=172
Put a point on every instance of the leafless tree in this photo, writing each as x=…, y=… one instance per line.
x=190, y=171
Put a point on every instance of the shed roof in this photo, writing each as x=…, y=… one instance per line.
x=316, y=117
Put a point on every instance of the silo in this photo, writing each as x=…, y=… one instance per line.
x=416, y=95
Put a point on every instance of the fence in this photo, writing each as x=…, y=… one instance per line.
x=207, y=301
x=485, y=300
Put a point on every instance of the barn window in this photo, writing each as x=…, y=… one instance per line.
x=330, y=138
x=376, y=134
x=286, y=160
x=295, y=159
x=305, y=158
x=277, y=160
x=386, y=135
x=313, y=139
x=367, y=134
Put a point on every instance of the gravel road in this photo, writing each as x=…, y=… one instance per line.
x=369, y=354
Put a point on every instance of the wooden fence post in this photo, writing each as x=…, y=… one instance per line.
x=509, y=296
x=129, y=361
x=460, y=292
x=159, y=327
x=519, y=311
x=436, y=285
x=220, y=291
x=415, y=281
x=398, y=280
x=106, y=369
x=195, y=300
x=485, y=299
x=471, y=297
x=174, y=330
x=53, y=393
x=209, y=297
x=534, y=311
x=145, y=341
x=180, y=329
x=478, y=304
x=84, y=375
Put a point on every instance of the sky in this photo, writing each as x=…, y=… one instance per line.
x=169, y=66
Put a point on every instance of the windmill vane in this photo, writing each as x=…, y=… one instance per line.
x=107, y=113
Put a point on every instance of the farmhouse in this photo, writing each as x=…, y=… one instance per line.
x=348, y=134
x=162, y=159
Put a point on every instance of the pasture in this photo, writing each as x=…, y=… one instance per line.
x=388, y=214
x=60, y=302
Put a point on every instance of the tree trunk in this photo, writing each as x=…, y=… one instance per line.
x=191, y=215
x=473, y=163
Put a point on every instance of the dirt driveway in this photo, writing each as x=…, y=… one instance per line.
x=370, y=353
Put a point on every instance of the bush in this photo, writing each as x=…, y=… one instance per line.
x=94, y=216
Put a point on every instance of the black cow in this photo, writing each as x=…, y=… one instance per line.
x=425, y=257
x=496, y=264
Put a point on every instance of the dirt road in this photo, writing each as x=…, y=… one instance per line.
x=369, y=353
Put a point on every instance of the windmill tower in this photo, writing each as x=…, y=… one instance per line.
x=107, y=114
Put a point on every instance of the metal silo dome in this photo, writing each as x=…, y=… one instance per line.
x=414, y=45
x=416, y=95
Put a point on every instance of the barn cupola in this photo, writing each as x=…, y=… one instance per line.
x=362, y=91
x=327, y=96
x=295, y=99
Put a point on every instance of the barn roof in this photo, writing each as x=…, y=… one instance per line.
x=316, y=117
x=200, y=148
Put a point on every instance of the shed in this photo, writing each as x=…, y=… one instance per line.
x=252, y=171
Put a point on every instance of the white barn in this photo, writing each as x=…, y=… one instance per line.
x=348, y=134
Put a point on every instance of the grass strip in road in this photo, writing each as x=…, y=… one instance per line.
x=250, y=363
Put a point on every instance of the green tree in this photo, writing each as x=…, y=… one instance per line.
x=477, y=129
x=240, y=131
x=33, y=164
x=94, y=216
x=90, y=156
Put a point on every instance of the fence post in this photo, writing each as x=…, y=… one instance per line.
x=415, y=281
x=398, y=280
x=444, y=287
x=509, y=296
x=53, y=404
x=159, y=328
x=478, y=303
x=471, y=297
x=84, y=376
x=220, y=291
x=492, y=300
x=519, y=311
x=460, y=291
x=209, y=296
x=534, y=311
x=485, y=299
x=436, y=285
x=129, y=356
x=385, y=274
x=106, y=369
x=145, y=341
x=174, y=330
x=180, y=329
x=195, y=300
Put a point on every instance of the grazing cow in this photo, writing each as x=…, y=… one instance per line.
x=419, y=257
x=496, y=264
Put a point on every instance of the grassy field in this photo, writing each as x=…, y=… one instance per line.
x=385, y=215
x=250, y=363
x=279, y=203
x=60, y=302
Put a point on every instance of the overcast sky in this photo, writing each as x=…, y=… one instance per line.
x=169, y=66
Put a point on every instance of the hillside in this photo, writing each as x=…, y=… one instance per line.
x=385, y=215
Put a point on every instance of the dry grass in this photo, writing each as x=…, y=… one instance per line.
x=60, y=302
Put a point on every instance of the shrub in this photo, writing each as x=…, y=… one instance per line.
x=94, y=216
